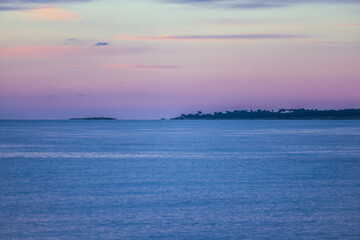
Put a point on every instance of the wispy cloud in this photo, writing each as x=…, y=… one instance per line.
x=72, y=65
x=11, y=8
x=35, y=51
x=327, y=42
x=101, y=44
x=255, y=4
x=350, y=24
x=249, y=22
x=65, y=51
x=41, y=1
x=52, y=14
x=211, y=37
x=13, y=5
x=73, y=41
x=137, y=66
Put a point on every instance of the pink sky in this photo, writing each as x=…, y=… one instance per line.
x=62, y=59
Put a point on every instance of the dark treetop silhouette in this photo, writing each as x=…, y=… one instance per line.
x=94, y=118
x=280, y=114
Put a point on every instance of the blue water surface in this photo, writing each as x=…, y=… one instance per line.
x=255, y=179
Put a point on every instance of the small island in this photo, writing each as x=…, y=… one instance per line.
x=94, y=118
x=271, y=115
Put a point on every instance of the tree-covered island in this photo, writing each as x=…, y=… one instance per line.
x=94, y=118
x=280, y=114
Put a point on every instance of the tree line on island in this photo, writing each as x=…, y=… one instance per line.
x=280, y=114
x=94, y=118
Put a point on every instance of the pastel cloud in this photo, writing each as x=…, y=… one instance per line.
x=244, y=22
x=14, y=5
x=136, y=66
x=211, y=37
x=350, y=24
x=101, y=44
x=41, y=1
x=72, y=65
x=10, y=8
x=63, y=51
x=326, y=42
x=52, y=14
x=256, y=4
x=35, y=51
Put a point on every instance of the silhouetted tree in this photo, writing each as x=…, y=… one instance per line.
x=280, y=114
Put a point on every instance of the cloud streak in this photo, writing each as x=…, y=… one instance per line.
x=350, y=24
x=16, y=5
x=42, y=1
x=256, y=4
x=72, y=65
x=36, y=51
x=64, y=51
x=137, y=66
x=101, y=44
x=52, y=14
x=211, y=37
x=10, y=8
x=328, y=42
x=249, y=22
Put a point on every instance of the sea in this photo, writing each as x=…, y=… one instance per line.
x=190, y=179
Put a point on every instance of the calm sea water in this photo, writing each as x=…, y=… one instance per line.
x=180, y=179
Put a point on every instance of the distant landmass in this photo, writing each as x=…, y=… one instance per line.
x=280, y=114
x=94, y=118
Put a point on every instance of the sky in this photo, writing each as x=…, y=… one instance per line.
x=149, y=59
